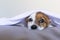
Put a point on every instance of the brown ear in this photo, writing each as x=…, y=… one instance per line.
x=44, y=16
x=26, y=19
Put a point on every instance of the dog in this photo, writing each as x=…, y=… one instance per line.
x=38, y=20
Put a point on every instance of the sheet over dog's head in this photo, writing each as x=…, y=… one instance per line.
x=38, y=20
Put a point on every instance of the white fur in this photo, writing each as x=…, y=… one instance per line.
x=33, y=22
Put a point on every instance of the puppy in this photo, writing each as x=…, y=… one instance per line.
x=38, y=20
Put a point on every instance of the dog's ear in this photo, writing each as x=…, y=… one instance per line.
x=26, y=19
x=45, y=17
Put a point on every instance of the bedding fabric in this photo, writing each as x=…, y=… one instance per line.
x=22, y=33
x=20, y=18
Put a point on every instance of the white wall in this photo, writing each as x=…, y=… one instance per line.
x=10, y=8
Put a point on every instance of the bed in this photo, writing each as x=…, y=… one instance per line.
x=22, y=33
x=10, y=30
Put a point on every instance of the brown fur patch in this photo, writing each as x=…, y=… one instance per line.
x=40, y=15
x=26, y=19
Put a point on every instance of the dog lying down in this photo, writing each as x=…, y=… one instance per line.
x=39, y=20
x=35, y=19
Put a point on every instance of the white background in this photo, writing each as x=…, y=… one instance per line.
x=10, y=8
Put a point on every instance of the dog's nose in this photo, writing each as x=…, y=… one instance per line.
x=33, y=27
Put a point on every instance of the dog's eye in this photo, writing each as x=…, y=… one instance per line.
x=41, y=20
x=30, y=19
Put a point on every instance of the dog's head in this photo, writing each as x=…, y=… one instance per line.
x=38, y=20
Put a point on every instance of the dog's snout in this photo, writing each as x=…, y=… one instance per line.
x=33, y=27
